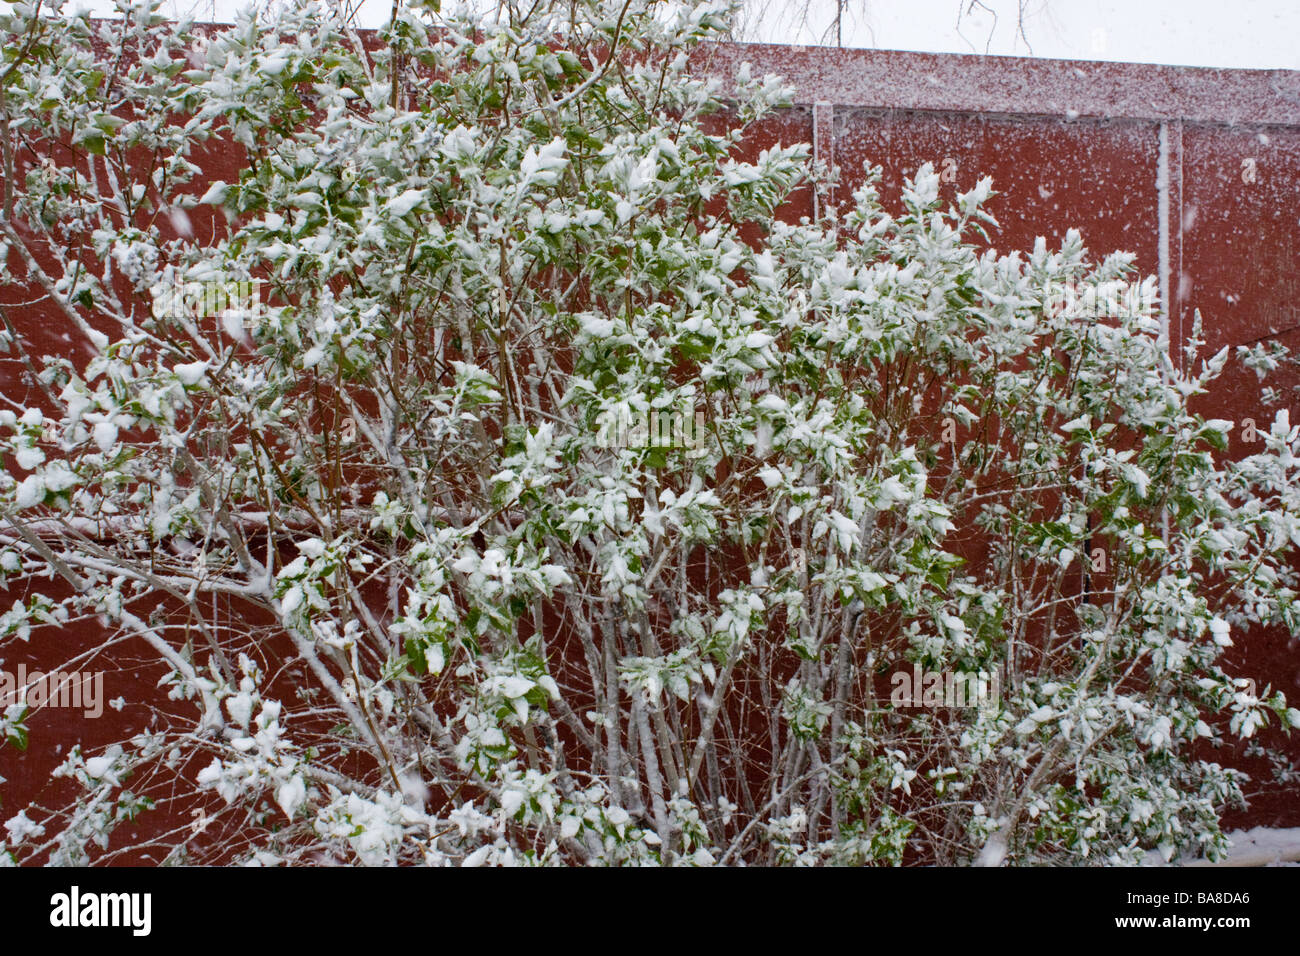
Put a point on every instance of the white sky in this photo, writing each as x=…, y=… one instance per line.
x=1249, y=34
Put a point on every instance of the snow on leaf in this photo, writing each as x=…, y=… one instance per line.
x=291, y=795
x=191, y=373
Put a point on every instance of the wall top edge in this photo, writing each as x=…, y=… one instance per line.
x=966, y=83
x=1007, y=85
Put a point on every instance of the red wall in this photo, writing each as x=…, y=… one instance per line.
x=1204, y=163
x=1084, y=145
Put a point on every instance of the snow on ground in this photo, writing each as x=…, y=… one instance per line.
x=1261, y=846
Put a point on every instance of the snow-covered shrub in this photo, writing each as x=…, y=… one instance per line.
x=408, y=599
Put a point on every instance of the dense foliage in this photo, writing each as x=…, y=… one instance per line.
x=413, y=599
